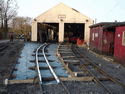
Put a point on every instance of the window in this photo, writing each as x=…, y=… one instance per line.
x=123, y=40
x=93, y=36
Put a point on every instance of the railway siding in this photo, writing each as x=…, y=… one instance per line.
x=91, y=70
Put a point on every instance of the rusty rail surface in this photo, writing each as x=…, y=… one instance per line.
x=95, y=66
x=87, y=70
x=102, y=71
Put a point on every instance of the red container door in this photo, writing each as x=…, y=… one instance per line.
x=100, y=34
x=108, y=41
x=96, y=38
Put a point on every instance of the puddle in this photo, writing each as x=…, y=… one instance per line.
x=24, y=72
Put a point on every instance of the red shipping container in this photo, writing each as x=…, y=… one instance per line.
x=119, y=51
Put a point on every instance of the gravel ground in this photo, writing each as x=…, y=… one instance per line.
x=76, y=87
x=53, y=89
x=116, y=70
x=22, y=89
x=7, y=62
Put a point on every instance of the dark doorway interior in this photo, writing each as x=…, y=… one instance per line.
x=48, y=32
x=73, y=31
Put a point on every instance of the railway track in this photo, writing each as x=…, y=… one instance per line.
x=78, y=62
x=5, y=45
x=42, y=50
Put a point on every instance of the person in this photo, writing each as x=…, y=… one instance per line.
x=11, y=36
x=45, y=37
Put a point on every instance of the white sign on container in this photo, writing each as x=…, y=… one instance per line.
x=96, y=34
x=118, y=35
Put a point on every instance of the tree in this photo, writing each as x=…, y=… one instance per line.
x=8, y=11
x=21, y=25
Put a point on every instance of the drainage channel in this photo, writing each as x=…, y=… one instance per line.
x=25, y=67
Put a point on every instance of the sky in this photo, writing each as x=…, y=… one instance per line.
x=102, y=10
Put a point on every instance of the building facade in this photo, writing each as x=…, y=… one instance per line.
x=62, y=17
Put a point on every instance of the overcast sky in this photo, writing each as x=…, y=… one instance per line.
x=92, y=8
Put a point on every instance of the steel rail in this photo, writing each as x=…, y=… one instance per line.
x=95, y=78
x=50, y=67
x=2, y=48
x=53, y=72
x=102, y=71
x=64, y=87
x=37, y=66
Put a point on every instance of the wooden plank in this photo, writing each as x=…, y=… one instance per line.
x=20, y=81
x=68, y=56
x=78, y=64
x=87, y=64
x=64, y=45
x=41, y=61
x=104, y=79
x=81, y=72
x=65, y=52
x=64, y=49
x=90, y=78
x=85, y=69
x=40, y=55
x=72, y=74
x=42, y=68
x=48, y=78
x=71, y=60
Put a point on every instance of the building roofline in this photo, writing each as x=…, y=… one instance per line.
x=101, y=23
x=115, y=25
x=108, y=24
x=66, y=6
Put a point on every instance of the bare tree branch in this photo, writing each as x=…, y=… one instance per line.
x=8, y=11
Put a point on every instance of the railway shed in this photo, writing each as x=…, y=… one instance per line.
x=59, y=24
x=109, y=38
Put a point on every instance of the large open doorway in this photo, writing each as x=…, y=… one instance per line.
x=48, y=32
x=73, y=31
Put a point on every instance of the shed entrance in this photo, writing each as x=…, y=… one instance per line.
x=73, y=31
x=48, y=32
x=108, y=41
